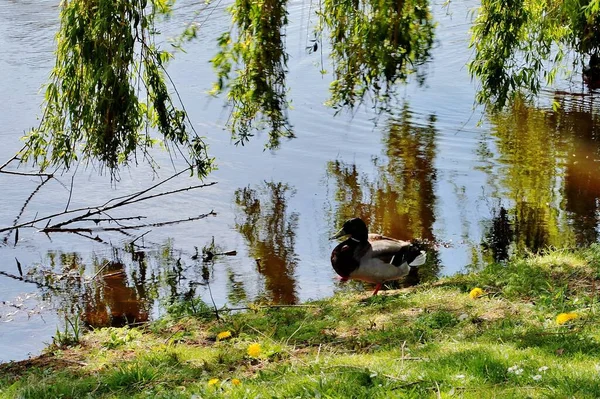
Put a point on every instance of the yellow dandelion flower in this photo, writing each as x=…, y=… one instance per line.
x=223, y=335
x=235, y=381
x=254, y=350
x=213, y=381
x=565, y=317
x=476, y=293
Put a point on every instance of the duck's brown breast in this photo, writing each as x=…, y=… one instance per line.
x=343, y=259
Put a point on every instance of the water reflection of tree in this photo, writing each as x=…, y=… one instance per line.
x=530, y=154
x=399, y=201
x=110, y=290
x=113, y=301
x=548, y=165
x=499, y=235
x=270, y=232
x=582, y=171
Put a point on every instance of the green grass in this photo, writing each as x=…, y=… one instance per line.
x=430, y=341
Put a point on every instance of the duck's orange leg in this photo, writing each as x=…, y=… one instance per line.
x=377, y=288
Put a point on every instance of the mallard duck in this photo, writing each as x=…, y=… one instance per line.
x=372, y=257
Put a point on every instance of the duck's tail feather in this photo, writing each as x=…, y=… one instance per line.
x=419, y=260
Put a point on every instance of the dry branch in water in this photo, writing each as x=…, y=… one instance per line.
x=121, y=228
x=13, y=172
x=98, y=215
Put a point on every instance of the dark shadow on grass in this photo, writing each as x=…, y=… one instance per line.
x=567, y=344
x=126, y=377
x=478, y=362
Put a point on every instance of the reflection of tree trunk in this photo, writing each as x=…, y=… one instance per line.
x=582, y=190
x=500, y=236
x=270, y=233
x=531, y=226
x=280, y=281
x=113, y=303
x=582, y=178
x=415, y=177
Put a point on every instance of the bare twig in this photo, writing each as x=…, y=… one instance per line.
x=128, y=201
x=111, y=219
x=26, y=280
x=126, y=198
x=52, y=229
x=70, y=193
x=27, y=201
x=97, y=239
x=90, y=211
x=138, y=237
x=213, y=302
x=268, y=307
x=10, y=172
x=14, y=157
x=99, y=271
x=132, y=200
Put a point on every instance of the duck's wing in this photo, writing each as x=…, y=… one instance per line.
x=379, y=237
x=397, y=252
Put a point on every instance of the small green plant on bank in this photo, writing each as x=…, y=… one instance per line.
x=71, y=334
x=478, y=335
x=120, y=336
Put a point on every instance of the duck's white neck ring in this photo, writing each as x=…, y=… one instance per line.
x=354, y=239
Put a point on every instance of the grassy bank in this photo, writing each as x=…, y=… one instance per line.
x=532, y=331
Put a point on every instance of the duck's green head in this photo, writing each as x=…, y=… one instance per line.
x=355, y=228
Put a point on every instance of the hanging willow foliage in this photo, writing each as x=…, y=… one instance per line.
x=108, y=91
x=520, y=45
x=375, y=45
x=257, y=94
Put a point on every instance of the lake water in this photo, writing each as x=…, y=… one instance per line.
x=475, y=187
